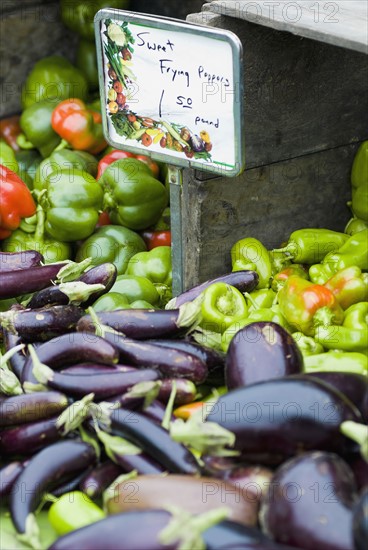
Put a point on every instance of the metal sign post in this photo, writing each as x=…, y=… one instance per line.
x=173, y=91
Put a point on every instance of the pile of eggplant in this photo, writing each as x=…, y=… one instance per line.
x=86, y=404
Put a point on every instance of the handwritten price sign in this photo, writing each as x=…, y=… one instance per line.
x=172, y=90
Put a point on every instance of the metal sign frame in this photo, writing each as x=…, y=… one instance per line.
x=170, y=24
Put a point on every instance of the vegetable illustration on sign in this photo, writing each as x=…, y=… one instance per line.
x=119, y=51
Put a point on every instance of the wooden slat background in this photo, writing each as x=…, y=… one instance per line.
x=338, y=22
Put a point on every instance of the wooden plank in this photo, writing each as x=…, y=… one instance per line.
x=267, y=203
x=339, y=22
x=300, y=96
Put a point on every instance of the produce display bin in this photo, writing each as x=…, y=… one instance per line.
x=305, y=105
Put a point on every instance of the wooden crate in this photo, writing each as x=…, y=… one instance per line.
x=305, y=113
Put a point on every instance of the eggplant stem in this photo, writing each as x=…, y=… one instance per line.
x=169, y=408
x=74, y=415
x=8, y=355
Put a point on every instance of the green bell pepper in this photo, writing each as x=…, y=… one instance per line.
x=355, y=225
x=136, y=288
x=72, y=511
x=349, y=286
x=307, y=344
x=78, y=15
x=359, y=182
x=133, y=197
x=111, y=243
x=319, y=274
x=250, y=253
x=7, y=157
x=221, y=306
x=28, y=162
x=342, y=338
x=336, y=361
x=115, y=300
x=156, y=266
x=356, y=316
x=309, y=246
x=53, y=79
x=262, y=298
x=63, y=159
x=280, y=278
x=86, y=62
x=35, y=122
x=72, y=206
x=51, y=249
x=353, y=253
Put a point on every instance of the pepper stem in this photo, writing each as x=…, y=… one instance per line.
x=323, y=317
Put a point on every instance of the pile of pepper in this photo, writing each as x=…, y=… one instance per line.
x=254, y=380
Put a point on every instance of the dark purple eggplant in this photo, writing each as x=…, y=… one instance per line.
x=29, y=407
x=285, y=416
x=13, y=261
x=359, y=467
x=142, y=463
x=24, y=281
x=88, y=369
x=156, y=412
x=18, y=360
x=245, y=281
x=102, y=385
x=171, y=363
x=99, y=478
x=104, y=274
x=360, y=522
x=185, y=391
x=309, y=504
x=139, y=323
x=69, y=349
x=39, y=325
x=9, y=475
x=26, y=439
x=43, y=473
x=261, y=351
x=136, y=530
x=215, y=360
x=71, y=484
x=154, y=440
x=231, y=535
x=253, y=481
x=354, y=386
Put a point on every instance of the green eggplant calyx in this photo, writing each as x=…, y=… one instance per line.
x=204, y=437
x=358, y=433
x=9, y=383
x=148, y=390
x=31, y=536
x=73, y=416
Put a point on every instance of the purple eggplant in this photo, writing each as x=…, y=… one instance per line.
x=170, y=362
x=354, y=386
x=261, y=351
x=30, y=407
x=38, y=325
x=13, y=261
x=18, y=359
x=102, y=385
x=154, y=440
x=186, y=391
x=99, y=478
x=359, y=467
x=309, y=504
x=139, y=323
x=88, y=369
x=245, y=281
x=156, y=412
x=215, y=360
x=360, y=522
x=26, y=439
x=254, y=481
x=284, y=416
x=24, y=281
x=136, y=530
x=43, y=473
x=8, y=476
x=231, y=535
x=71, y=484
x=142, y=463
x=104, y=274
x=69, y=349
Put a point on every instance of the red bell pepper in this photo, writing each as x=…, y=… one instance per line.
x=349, y=286
x=10, y=130
x=16, y=201
x=79, y=126
x=156, y=238
x=306, y=305
x=119, y=154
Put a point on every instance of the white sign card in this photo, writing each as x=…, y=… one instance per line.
x=171, y=90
